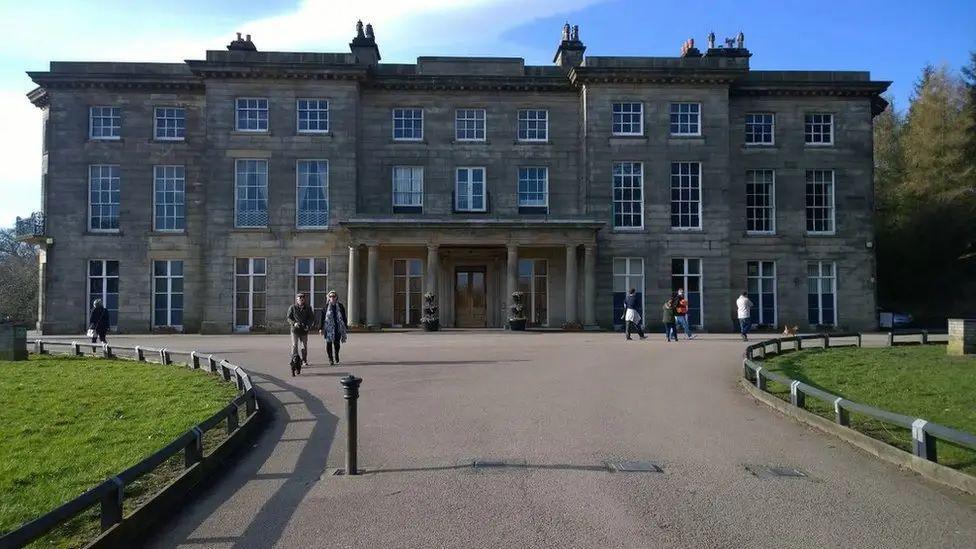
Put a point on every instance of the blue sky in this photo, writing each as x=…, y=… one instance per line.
x=893, y=39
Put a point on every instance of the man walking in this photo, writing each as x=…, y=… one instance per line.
x=301, y=318
x=681, y=313
x=631, y=316
x=744, y=306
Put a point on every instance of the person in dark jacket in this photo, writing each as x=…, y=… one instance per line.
x=333, y=325
x=667, y=316
x=98, y=321
x=631, y=316
x=301, y=319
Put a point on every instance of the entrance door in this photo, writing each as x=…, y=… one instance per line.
x=470, y=297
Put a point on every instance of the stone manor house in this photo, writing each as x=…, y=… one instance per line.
x=200, y=196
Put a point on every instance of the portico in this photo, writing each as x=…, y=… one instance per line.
x=473, y=266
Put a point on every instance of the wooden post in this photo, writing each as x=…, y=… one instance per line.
x=232, y=420
x=112, y=504
x=842, y=416
x=194, y=451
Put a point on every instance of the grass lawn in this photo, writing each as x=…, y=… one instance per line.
x=920, y=381
x=68, y=423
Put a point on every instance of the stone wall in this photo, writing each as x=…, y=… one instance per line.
x=962, y=336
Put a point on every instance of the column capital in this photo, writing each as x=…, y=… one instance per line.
x=589, y=246
x=372, y=245
x=433, y=246
x=572, y=246
x=512, y=246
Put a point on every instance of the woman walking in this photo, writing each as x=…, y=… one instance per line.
x=667, y=316
x=332, y=321
x=98, y=321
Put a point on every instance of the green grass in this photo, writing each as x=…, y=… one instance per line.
x=919, y=381
x=66, y=424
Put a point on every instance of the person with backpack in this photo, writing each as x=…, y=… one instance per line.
x=301, y=319
x=667, y=316
x=681, y=313
x=98, y=322
x=743, y=307
x=631, y=316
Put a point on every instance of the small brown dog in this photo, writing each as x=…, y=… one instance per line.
x=790, y=330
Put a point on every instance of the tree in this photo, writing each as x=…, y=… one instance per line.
x=18, y=279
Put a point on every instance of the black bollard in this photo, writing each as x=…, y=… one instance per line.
x=351, y=384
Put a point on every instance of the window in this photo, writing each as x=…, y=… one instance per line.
x=533, y=188
x=821, y=293
x=169, y=198
x=686, y=195
x=469, y=124
x=820, y=201
x=252, y=115
x=628, y=119
x=250, y=293
x=533, y=125
x=407, y=292
x=408, y=189
x=818, y=129
x=170, y=123
x=628, y=195
x=628, y=272
x=685, y=118
x=761, y=201
x=312, y=190
x=168, y=294
x=103, y=198
x=470, y=190
x=761, y=288
x=759, y=128
x=313, y=115
x=251, y=183
x=534, y=283
x=408, y=124
x=105, y=122
x=686, y=273
x=103, y=283
x=312, y=279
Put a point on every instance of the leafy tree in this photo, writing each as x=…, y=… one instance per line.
x=18, y=279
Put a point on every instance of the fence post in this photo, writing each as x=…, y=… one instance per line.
x=779, y=346
x=799, y=343
x=351, y=384
x=826, y=341
x=212, y=364
x=76, y=348
x=194, y=451
x=891, y=339
x=232, y=419
x=843, y=416
x=140, y=355
x=923, y=443
x=746, y=369
x=164, y=357
x=760, y=380
x=112, y=504
x=797, y=398
x=239, y=378
x=194, y=360
x=858, y=340
x=925, y=337
x=106, y=350
x=250, y=404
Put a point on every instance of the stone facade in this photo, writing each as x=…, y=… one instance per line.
x=962, y=336
x=575, y=235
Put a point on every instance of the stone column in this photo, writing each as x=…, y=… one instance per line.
x=372, y=286
x=571, y=297
x=433, y=267
x=589, y=285
x=512, y=278
x=352, y=293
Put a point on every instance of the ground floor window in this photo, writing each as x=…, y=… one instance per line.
x=103, y=283
x=312, y=279
x=534, y=284
x=822, y=293
x=250, y=293
x=686, y=274
x=407, y=291
x=168, y=293
x=628, y=272
x=761, y=287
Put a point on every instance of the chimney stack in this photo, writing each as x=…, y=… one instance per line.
x=363, y=46
x=570, y=51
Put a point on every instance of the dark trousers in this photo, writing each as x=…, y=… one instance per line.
x=633, y=326
x=670, y=331
x=744, y=325
x=98, y=335
x=328, y=349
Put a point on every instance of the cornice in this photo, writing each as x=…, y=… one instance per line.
x=614, y=75
x=296, y=71
x=469, y=83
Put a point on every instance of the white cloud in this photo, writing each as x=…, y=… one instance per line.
x=20, y=148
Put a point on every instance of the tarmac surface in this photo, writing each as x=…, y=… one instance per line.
x=555, y=407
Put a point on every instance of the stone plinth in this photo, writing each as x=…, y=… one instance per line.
x=13, y=342
x=962, y=336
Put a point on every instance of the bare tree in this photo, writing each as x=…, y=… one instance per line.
x=18, y=279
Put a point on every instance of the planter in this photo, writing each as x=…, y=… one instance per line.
x=432, y=325
x=517, y=325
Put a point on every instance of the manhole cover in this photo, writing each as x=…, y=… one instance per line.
x=497, y=463
x=774, y=471
x=627, y=466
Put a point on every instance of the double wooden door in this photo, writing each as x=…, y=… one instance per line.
x=470, y=297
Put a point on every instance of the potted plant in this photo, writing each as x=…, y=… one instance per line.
x=430, y=319
x=516, y=316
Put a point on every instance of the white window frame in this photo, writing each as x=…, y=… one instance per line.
x=104, y=293
x=250, y=293
x=771, y=200
x=545, y=187
x=628, y=274
x=531, y=294
x=395, y=192
x=614, y=201
x=313, y=277
x=118, y=205
x=820, y=278
x=394, y=118
x=157, y=128
x=672, y=114
x=266, y=109
x=772, y=280
x=267, y=175
x=832, y=203
x=406, y=302
x=772, y=130
x=483, y=119
x=117, y=130
x=614, y=114
x=701, y=285
x=168, y=292
x=518, y=125
x=672, y=202
x=298, y=194
x=159, y=176
x=470, y=194
x=805, y=133
x=298, y=115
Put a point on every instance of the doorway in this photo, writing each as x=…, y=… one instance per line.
x=470, y=297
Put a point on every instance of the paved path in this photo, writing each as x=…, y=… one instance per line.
x=563, y=403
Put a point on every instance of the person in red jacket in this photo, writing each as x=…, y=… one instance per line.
x=681, y=312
